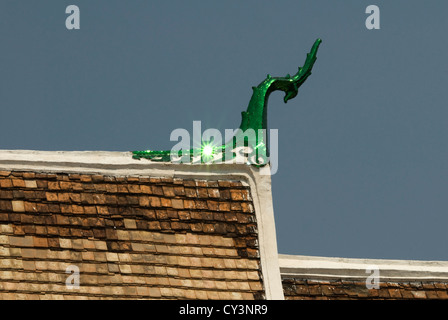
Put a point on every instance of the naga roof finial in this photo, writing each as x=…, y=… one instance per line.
x=254, y=118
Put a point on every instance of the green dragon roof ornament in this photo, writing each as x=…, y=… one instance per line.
x=254, y=118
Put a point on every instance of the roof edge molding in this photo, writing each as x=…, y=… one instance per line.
x=324, y=268
x=122, y=164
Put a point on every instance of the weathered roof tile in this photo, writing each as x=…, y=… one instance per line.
x=87, y=220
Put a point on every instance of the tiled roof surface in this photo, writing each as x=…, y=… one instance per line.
x=130, y=237
x=306, y=289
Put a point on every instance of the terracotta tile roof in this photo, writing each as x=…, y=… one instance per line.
x=318, y=278
x=132, y=232
x=306, y=289
x=130, y=237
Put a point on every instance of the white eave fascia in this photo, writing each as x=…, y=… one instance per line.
x=327, y=268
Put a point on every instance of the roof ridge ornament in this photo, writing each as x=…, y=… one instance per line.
x=254, y=118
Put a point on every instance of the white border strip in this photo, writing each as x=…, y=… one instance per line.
x=309, y=267
x=122, y=164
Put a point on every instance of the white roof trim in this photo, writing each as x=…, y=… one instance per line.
x=309, y=267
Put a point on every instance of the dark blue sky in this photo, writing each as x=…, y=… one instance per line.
x=363, y=168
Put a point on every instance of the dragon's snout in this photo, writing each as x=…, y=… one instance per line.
x=290, y=94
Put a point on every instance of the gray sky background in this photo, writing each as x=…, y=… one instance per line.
x=363, y=168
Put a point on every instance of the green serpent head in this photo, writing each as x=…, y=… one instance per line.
x=291, y=92
x=291, y=85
